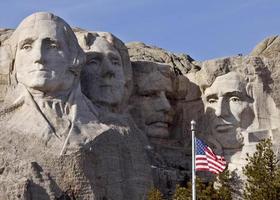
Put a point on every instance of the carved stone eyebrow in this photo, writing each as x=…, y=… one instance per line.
x=28, y=40
x=93, y=55
x=227, y=94
x=113, y=55
x=234, y=93
x=51, y=40
x=211, y=96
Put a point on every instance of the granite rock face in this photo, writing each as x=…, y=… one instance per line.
x=268, y=49
x=180, y=63
x=56, y=143
x=85, y=116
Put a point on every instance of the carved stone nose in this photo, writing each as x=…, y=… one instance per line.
x=38, y=55
x=164, y=104
x=108, y=74
x=107, y=70
x=222, y=108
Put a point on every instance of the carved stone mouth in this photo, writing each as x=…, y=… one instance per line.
x=224, y=127
x=105, y=85
x=39, y=70
x=160, y=124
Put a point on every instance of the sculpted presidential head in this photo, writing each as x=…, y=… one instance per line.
x=106, y=78
x=152, y=109
x=47, y=57
x=229, y=109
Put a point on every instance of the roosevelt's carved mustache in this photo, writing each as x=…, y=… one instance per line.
x=159, y=117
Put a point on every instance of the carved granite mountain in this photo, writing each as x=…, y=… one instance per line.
x=84, y=116
x=181, y=63
x=55, y=143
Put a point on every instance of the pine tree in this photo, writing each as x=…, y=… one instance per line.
x=181, y=193
x=263, y=174
x=204, y=191
x=207, y=191
x=224, y=189
x=155, y=194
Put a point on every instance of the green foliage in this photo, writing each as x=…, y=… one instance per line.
x=155, y=194
x=204, y=191
x=224, y=187
x=263, y=174
x=182, y=193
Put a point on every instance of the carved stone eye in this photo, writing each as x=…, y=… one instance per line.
x=53, y=46
x=235, y=99
x=211, y=101
x=115, y=62
x=93, y=61
x=26, y=46
x=150, y=94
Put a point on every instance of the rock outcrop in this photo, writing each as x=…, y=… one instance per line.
x=85, y=116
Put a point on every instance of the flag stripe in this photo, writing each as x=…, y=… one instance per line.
x=207, y=160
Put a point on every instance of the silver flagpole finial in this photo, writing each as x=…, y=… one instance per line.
x=193, y=123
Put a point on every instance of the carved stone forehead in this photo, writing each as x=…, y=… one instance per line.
x=36, y=18
x=102, y=44
x=150, y=76
x=42, y=23
x=47, y=25
x=230, y=82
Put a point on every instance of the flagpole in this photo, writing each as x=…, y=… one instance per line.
x=193, y=123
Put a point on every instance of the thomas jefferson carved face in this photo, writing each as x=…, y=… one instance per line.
x=103, y=76
x=153, y=111
x=228, y=109
x=43, y=57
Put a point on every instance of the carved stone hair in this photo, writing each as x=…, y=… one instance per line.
x=250, y=68
x=78, y=57
x=86, y=40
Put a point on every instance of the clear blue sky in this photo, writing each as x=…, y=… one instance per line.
x=204, y=29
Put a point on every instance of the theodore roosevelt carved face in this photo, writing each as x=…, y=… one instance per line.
x=152, y=107
x=228, y=109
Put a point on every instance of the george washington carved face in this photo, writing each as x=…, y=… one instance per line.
x=43, y=56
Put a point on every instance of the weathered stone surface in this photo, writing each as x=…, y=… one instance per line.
x=4, y=35
x=239, y=109
x=157, y=112
x=269, y=47
x=180, y=63
x=72, y=150
x=269, y=50
x=106, y=80
x=84, y=116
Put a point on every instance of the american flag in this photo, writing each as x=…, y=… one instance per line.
x=207, y=160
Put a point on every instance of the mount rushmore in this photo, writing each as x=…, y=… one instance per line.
x=85, y=116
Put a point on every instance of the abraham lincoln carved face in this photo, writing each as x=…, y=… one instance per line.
x=228, y=109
